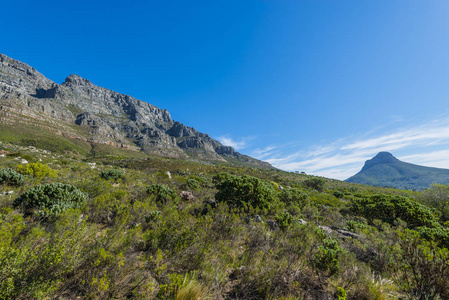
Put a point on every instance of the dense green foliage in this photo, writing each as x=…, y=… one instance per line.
x=162, y=192
x=269, y=234
x=112, y=174
x=37, y=170
x=50, y=199
x=244, y=191
x=11, y=177
x=391, y=208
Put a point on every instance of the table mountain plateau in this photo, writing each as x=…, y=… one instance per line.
x=80, y=110
x=386, y=170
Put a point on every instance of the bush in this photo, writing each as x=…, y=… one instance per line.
x=241, y=191
x=50, y=199
x=37, y=170
x=315, y=183
x=421, y=267
x=193, y=183
x=162, y=192
x=284, y=220
x=390, y=208
x=11, y=177
x=327, y=257
x=294, y=196
x=112, y=174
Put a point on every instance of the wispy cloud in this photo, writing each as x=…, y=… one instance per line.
x=340, y=159
x=236, y=144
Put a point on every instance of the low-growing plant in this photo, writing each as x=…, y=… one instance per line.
x=294, y=196
x=49, y=200
x=162, y=192
x=193, y=183
x=284, y=220
x=37, y=170
x=112, y=174
x=315, y=183
x=11, y=177
x=327, y=257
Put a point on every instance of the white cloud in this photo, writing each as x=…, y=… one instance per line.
x=345, y=157
x=264, y=153
x=237, y=145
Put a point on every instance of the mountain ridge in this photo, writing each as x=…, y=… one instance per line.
x=386, y=170
x=79, y=109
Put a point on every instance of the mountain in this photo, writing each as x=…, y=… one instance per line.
x=386, y=170
x=80, y=113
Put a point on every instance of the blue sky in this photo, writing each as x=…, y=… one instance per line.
x=314, y=86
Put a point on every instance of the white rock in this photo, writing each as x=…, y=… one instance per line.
x=24, y=161
x=168, y=174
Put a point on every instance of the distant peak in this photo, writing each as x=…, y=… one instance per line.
x=76, y=79
x=384, y=155
x=381, y=158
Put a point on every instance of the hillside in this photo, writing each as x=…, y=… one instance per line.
x=78, y=115
x=103, y=196
x=155, y=228
x=386, y=170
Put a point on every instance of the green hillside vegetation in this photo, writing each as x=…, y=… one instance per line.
x=115, y=226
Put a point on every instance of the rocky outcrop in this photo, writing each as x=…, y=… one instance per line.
x=107, y=117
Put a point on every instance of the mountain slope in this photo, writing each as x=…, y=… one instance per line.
x=80, y=110
x=386, y=170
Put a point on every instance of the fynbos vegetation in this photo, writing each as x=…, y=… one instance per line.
x=73, y=227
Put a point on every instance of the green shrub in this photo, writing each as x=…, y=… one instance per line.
x=50, y=199
x=284, y=220
x=162, y=192
x=315, y=183
x=391, y=208
x=37, y=170
x=241, y=191
x=421, y=268
x=11, y=177
x=113, y=174
x=294, y=196
x=327, y=257
x=193, y=183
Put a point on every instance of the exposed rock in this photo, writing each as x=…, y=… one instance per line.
x=185, y=195
x=326, y=229
x=258, y=219
x=302, y=222
x=273, y=225
x=211, y=202
x=348, y=233
x=105, y=116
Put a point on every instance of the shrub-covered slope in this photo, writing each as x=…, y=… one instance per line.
x=114, y=227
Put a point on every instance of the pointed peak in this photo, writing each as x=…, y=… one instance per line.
x=381, y=158
x=77, y=80
x=384, y=155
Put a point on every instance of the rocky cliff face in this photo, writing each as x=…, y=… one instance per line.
x=82, y=110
